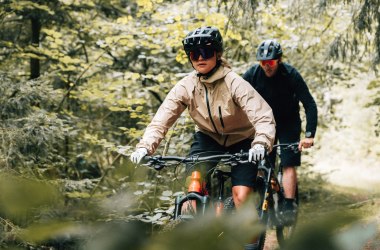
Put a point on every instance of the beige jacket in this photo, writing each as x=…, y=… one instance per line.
x=224, y=106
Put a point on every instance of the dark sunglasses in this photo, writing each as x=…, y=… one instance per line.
x=206, y=53
x=270, y=63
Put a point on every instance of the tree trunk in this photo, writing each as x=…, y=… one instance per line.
x=35, y=63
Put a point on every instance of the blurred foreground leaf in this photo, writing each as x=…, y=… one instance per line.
x=210, y=232
x=21, y=196
x=37, y=233
x=320, y=233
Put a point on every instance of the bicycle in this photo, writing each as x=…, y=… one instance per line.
x=270, y=187
x=203, y=200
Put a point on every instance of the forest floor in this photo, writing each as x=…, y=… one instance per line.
x=336, y=196
x=345, y=162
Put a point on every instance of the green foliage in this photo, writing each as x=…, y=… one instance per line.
x=105, y=68
x=31, y=134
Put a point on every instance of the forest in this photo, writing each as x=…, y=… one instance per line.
x=81, y=79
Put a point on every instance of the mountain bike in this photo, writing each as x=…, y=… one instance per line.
x=269, y=185
x=203, y=200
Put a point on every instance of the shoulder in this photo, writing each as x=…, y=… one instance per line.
x=184, y=87
x=235, y=81
x=188, y=80
x=251, y=71
x=289, y=70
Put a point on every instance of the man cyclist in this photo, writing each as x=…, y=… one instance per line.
x=283, y=88
x=229, y=114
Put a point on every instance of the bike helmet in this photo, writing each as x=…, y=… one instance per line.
x=269, y=50
x=201, y=37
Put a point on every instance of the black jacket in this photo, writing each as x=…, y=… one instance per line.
x=283, y=92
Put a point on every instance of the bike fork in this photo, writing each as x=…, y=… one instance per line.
x=264, y=206
x=201, y=200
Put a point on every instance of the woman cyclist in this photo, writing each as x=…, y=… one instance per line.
x=229, y=114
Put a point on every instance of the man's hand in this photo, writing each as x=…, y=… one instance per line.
x=138, y=155
x=256, y=153
x=305, y=143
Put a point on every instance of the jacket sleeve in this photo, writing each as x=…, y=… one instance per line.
x=166, y=115
x=258, y=112
x=307, y=100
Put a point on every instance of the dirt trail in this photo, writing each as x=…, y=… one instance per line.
x=348, y=150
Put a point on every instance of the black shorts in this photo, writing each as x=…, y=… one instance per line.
x=287, y=133
x=242, y=174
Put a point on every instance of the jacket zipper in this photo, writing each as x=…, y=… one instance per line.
x=220, y=117
x=209, y=110
x=222, y=123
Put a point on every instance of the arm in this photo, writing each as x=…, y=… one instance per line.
x=166, y=115
x=311, y=111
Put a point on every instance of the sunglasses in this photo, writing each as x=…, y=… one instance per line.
x=206, y=53
x=270, y=63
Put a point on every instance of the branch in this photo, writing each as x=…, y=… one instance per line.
x=77, y=80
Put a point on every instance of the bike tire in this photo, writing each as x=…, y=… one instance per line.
x=284, y=233
x=171, y=225
x=229, y=208
x=264, y=218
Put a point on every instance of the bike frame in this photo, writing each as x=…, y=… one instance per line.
x=202, y=200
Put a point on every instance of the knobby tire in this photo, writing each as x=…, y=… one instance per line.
x=264, y=218
x=283, y=233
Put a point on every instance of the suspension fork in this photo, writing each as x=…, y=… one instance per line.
x=200, y=199
x=219, y=205
x=267, y=190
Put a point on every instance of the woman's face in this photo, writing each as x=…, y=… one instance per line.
x=203, y=59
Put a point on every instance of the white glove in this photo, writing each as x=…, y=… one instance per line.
x=256, y=153
x=138, y=155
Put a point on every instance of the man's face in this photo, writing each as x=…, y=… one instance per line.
x=270, y=67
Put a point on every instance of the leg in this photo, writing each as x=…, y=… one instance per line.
x=243, y=180
x=289, y=181
x=240, y=194
x=243, y=175
x=289, y=160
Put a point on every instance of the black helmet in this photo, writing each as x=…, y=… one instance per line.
x=201, y=37
x=268, y=50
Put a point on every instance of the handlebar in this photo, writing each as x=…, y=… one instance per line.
x=158, y=162
x=284, y=146
x=287, y=146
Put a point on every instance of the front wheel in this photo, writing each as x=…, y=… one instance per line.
x=283, y=232
x=263, y=205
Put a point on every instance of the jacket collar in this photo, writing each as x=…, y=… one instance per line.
x=220, y=73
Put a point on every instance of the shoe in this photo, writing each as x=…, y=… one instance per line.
x=251, y=246
x=288, y=212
